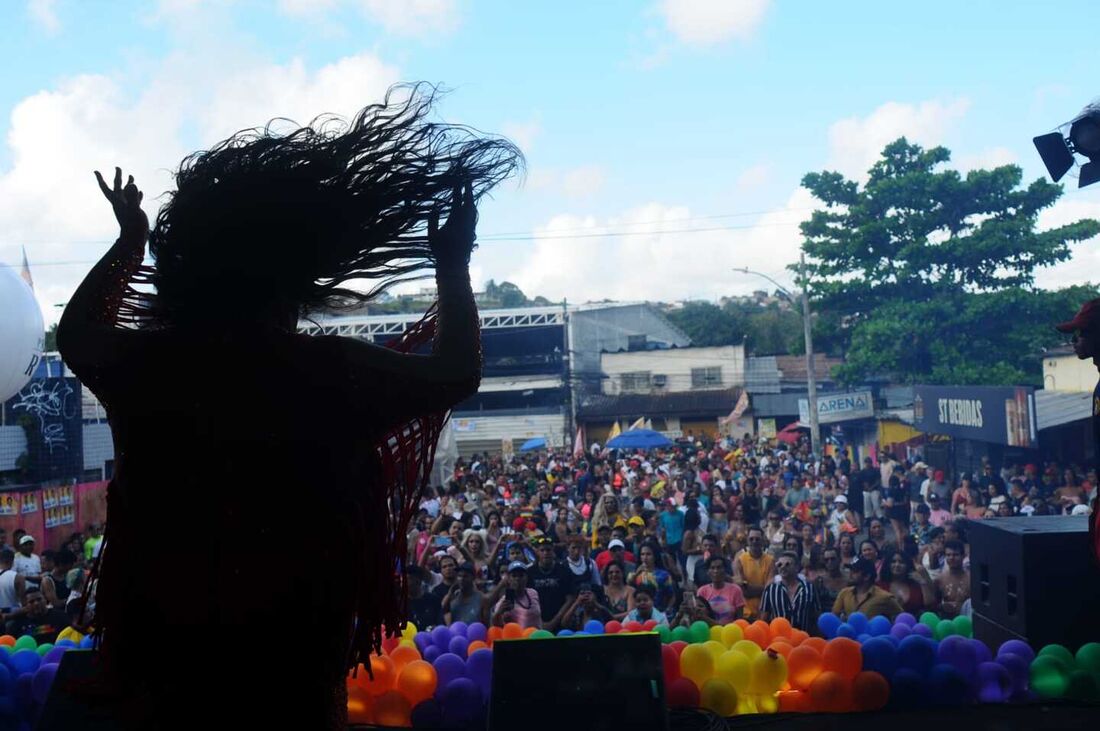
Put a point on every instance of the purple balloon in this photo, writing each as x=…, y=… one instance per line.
x=431, y=653
x=479, y=668
x=441, y=637
x=54, y=655
x=461, y=702
x=905, y=618
x=982, y=650
x=922, y=629
x=422, y=640
x=994, y=683
x=459, y=629
x=900, y=631
x=476, y=631
x=948, y=649
x=1017, y=647
x=24, y=696
x=1019, y=670
x=448, y=666
x=43, y=679
x=458, y=646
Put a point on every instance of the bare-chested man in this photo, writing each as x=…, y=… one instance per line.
x=954, y=583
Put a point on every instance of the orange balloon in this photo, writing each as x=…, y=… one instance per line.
x=742, y=623
x=384, y=675
x=417, y=681
x=512, y=631
x=830, y=693
x=781, y=646
x=403, y=655
x=798, y=636
x=781, y=627
x=495, y=633
x=7, y=640
x=392, y=709
x=360, y=708
x=476, y=645
x=529, y=631
x=843, y=655
x=758, y=632
x=818, y=643
x=804, y=664
x=870, y=691
x=794, y=701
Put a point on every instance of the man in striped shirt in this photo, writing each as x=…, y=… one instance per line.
x=791, y=597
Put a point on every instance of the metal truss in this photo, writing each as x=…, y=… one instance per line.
x=384, y=326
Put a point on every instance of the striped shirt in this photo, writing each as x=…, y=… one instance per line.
x=776, y=602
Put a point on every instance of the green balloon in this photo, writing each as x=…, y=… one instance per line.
x=44, y=648
x=681, y=634
x=26, y=642
x=700, y=632
x=963, y=626
x=541, y=634
x=929, y=619
x=1049, y=676
x=944, y=628
x=665, y=633
x=1082, y=686
x=1088, y=657
x=1059, y=652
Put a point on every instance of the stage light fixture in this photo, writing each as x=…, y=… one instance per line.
x=1057, y=149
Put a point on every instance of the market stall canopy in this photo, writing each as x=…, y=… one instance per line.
x=533, y=444
x=639, y=439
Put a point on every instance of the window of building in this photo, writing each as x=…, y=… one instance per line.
x=636, y=381
x=706, y=377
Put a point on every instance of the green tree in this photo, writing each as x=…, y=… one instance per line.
x=51, y=338
x=930, y=275
x=708, y=324
x=510, y=295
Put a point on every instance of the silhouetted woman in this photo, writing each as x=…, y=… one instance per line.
x=236, y=436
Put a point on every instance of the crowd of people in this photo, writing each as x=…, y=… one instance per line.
x=709, y=530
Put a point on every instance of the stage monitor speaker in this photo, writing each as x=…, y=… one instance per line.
x=597, y=682
x=1033, y=579
x=63, y=711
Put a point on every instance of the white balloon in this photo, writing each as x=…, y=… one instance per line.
x=22, y=334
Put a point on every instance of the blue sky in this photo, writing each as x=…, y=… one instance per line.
x=636, y=117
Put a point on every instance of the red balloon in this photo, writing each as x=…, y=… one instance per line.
x=843, y=655
x=794, y=701
x=613, y=627
x=682, y=693
x=670, y=660
x=870, y=691
x=649, y=625
x=389, y=643
x=633, y=626
x=678, y=646
x=831, y=693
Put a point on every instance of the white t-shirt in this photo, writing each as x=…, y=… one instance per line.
x=27, y=565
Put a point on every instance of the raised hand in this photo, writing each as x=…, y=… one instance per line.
x=453, y=242
x=126, y=202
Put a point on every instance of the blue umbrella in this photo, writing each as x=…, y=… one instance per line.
x=639, y=439
x=536, y=443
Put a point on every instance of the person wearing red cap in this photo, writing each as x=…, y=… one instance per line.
x=1085, y=327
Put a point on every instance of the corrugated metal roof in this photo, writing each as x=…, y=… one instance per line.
x=762, y=374
x=1054, y=408
x=710, y=402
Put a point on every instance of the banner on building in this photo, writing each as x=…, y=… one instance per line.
x=836, y=407
x=766, y=428
x=49, y=410
x=995, y=414
x=464, y=425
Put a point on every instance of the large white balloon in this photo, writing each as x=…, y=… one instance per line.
x=22, y=334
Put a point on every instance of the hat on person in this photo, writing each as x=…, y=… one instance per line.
x=26, y=539
x=517, y=566
x=615, y=543
x=938, y=476
x=933, y=496
x=636, y=520
x=1088, y=314
x=559, y=490
x=840, y=499
x=1081, y=509
x=920, y=466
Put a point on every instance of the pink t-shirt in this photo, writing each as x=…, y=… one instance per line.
x=938, y=517
x=723, y=602
x=525, y=616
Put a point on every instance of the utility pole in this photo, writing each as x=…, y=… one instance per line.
x=567, y=381
x=811, y=376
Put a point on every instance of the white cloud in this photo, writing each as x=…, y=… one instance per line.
x=44, y=13
x=583, y=182
x=986, y=159
x=753, y=177
x=402, y=17
x=1084, y=266
x=648, y=264
x=855, y=143
x=523, y=134
x=711, y=22
x=306, y=8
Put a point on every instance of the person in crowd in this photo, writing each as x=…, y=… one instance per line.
x=867, y=483
x=464, y=603
x=12, y=585
x=553, y=582
x=832, y=578
x=937, y=515
x=651, y=574
x=672, y=526
x=864, y=596
x=28, y=564
x=725, y=600
x=842, y=520
x=579, y=563
x=36, y=618
x=442, y=582
x=691, y=545
x=635, y=533
x=425, y=609
x=932, y=555
x=792, y=597
x=996, y=496
x=921, y=526
x=846, y=544
x=900, y=577
x=4, y=541
x=54, y=583
x=519, y=603
x=916, y=485
x=876, y=533
x=798, y=494
x=587, y=606
x=953, y=584
x=775, y=532
x=693, y=608
x=896, y=504
x=644, y=608
x=618, y=594
x=753, y=570
x=736, y=534
x=869, y=551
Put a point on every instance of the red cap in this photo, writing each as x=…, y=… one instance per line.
x=1088, y=314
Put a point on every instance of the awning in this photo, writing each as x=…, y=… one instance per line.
x=1054, y=408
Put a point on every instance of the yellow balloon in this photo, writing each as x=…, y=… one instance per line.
x=70, y=634
x=697, y=664
x=734, y=668
x=767, y=704
x=408, y=642
x=716, y=633
x=748, y=648
x=732, y=633
x=717, y=649
x=718, y=696
x=745, y=705
x=769, y=670
x=409, y=632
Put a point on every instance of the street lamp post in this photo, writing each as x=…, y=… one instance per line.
x=811, y=380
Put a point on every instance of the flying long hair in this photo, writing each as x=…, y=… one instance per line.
x=267, y=219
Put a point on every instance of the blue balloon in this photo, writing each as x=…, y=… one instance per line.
x=828, y=624
x=461, y=702
x=918, y=654
x=441, y=637
x=65, y=643
x=7, y=680
x=880, y=625
x=427, y=714
x=905, y=618
x=949, y=686
x=880, y=655
x=23, y=694
x=43, y=681
x=87, y=643
x=581, y=633
x=1019, y=670
x=26, y=661
x=994, y=683
x=431, y=653
x=479, y=668
x=565, y=633
x=863, y=638
x=593, y=627
x=982, y=650
x=459, y=629
x=908, y=689
x=846, y=630
x=859, y=622
x=900, y=631
x=422, y=640
x=458, y=646
x=54, y=655
x=1017, y=647
x=477, y=631
x=922, y=629
x=448, y=666
x=7, y=706
x=948, y=648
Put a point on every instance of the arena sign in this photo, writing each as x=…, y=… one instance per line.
x=835, y=407
x=1001, y=415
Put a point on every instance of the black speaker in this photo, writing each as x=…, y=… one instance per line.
x=597, y=682
x=1034, y=579
x=64, y=710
